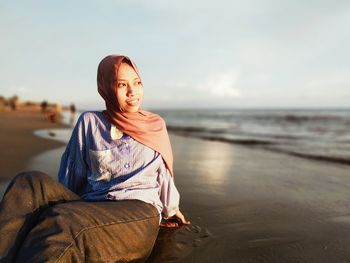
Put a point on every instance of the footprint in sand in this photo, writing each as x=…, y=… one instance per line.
x=174, y=244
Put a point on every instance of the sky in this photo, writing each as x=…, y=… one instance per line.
x=191, y=54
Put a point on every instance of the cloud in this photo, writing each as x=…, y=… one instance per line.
x=281, y=48
x=222, y=84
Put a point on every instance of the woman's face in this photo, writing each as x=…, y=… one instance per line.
x=129, y=89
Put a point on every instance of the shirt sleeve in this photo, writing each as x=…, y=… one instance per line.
x=72, y=171
x=169, y=195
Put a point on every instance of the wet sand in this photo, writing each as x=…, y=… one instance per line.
x=250, y=205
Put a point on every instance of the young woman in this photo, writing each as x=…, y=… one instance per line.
x=116, y=184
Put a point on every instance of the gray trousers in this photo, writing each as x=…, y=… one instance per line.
x=43, y=221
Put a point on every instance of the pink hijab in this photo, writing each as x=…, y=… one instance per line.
x=145, y=127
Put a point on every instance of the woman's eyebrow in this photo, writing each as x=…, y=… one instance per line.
x=127, y=80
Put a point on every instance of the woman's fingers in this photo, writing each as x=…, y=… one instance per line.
x=182, y=218
x=169, y=224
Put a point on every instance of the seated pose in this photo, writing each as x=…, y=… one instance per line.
x=115, y=184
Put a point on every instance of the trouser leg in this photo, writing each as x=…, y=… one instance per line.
x=27, y=195
x=81, y=231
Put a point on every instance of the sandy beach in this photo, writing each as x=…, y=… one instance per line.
x=18, y=142
x=245, y=204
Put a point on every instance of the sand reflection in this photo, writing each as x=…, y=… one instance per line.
x=216, y=163
x=209, y=166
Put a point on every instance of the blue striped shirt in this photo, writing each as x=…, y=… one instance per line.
x=98, y=167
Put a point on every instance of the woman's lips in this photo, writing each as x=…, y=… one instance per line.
x=132, y=102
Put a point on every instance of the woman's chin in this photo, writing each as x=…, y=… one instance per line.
x=132, y=109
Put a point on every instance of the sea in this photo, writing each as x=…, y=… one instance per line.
x=321, y=134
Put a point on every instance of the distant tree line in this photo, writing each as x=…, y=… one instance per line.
x=14, y=103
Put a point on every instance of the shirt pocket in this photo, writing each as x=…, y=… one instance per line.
x=100, y=163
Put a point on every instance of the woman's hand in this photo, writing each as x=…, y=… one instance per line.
x=175, y=221
x=181, y=218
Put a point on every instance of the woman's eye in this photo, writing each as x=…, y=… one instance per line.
x=139, y=83
x=121, y=85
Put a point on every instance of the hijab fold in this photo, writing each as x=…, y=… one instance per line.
x=145, y=127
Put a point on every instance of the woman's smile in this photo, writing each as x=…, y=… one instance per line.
x=132, y=102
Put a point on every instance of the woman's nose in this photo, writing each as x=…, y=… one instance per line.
x=131, y=90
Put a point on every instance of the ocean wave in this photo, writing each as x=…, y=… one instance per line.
x=263, y=144
x=297, y=119
x=224, y=133
x=204, y=134
x=192, y=129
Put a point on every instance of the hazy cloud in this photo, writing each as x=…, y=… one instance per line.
x=222, y=84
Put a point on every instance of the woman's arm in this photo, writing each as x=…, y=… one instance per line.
x=170, y=199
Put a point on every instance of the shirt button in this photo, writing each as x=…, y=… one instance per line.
x=126, y=165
